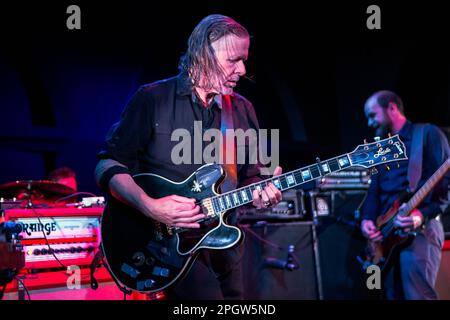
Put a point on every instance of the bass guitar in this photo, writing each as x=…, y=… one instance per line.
x=379, y=253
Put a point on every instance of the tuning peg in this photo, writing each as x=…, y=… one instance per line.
x=373, y=171
x=389, y=134
x=376, y=139
x=398, y=165
x=365, y=141
x=387, y=167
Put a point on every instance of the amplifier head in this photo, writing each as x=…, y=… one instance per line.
x=57, y=237
x=291, y=207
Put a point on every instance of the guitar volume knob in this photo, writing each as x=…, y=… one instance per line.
x=138, y=259
x=150, y=261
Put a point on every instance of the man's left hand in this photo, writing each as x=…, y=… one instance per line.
x=411, y=222
x=270, y=196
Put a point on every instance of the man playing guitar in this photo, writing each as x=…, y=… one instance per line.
x=141, y=142
x=412, y=273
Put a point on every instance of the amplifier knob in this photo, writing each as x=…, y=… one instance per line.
x=150, y=261
x=138, y=259
x=36, y=252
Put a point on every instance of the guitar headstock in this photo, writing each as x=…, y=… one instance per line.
x=368, y=155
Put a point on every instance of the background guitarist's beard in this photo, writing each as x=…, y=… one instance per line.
x=384, y=126
x=382, y=131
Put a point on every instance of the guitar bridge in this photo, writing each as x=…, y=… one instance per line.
x=207, y=208
x=158, y=231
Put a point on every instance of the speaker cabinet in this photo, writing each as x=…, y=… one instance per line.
x=340, y=244
x=443, y=277
x=266, y=268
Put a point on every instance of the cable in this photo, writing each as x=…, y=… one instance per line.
x=46, y=240
x=24, y=287
x=261, y=239
x=75, y=194
x=121, y=288
x=274, y=244
x=3, y=291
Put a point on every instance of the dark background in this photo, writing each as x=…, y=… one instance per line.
x=313, y=65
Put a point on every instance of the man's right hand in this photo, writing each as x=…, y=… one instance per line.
x=370, y=231
x=174, y=210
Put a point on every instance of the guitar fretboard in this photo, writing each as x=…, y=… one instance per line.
x=420, y=195
x=292, y=179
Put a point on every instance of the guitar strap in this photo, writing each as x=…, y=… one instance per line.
x=416, y=156
x=228, y=147
x=224, y=261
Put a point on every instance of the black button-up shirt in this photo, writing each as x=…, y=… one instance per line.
x=141, y=140
x=386, y=185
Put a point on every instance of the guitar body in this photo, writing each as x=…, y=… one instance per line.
x=381, y=253
x=147, y=256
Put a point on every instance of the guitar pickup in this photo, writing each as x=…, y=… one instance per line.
x=164, y=255
x=129, y=270
x=161, y=272
x=147, y=284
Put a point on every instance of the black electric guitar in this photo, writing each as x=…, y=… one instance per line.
x=380, y=253
x=147, y=256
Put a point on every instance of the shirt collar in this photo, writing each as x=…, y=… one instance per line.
x=184, y=85
x=406, y=131
x=217, y=100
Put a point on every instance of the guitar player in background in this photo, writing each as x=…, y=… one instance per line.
x=413, y=271
x=141, y=143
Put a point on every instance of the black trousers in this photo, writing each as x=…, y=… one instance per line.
x=413, y=275
x=215, y=275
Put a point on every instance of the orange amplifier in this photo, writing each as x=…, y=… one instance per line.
x=57, y=237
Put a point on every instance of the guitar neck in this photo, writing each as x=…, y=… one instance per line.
x=420, y=195
x=292, y=179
